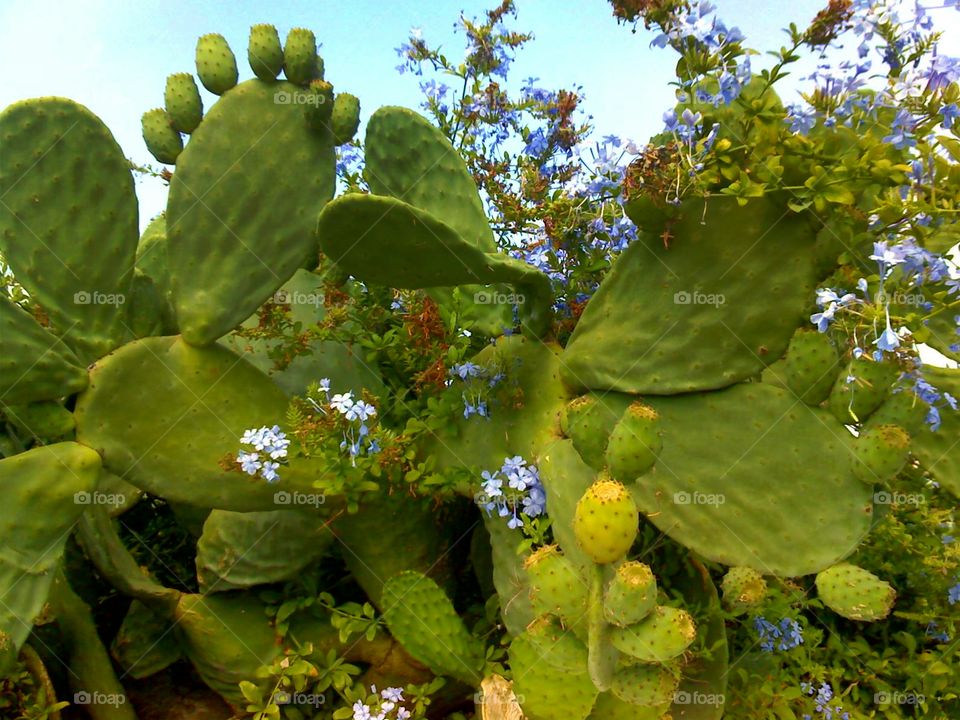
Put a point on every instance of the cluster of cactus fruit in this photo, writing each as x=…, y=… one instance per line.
x=679, y=414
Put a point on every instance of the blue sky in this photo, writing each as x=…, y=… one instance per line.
x=114, y=55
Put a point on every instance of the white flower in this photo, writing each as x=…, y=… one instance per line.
x=342, y=402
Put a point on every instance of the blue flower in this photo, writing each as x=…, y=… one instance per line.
x=249, y=462
x=360, y=411
x=888, y=340
x=466, y=370
x=269, y=471
x=786, y=635
x=901, y=130
x=823, y=319
x=342, y=402
x=953, y=594
x=931, y=632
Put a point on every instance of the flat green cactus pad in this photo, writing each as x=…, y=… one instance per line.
x=509, y=578
x=329, y=359
x=40, y=490
x=422, y=618
x=232, y=241
x=226, y=637
x=565, y=477
x=409, y=158
x=713, y=308
x=240, y=550
x=209, y=397
x=939, y=452
x=533, y=377
x=68, y=222
x=749, y=476
x=35, y=365
x=144, y=644
x=855, y=593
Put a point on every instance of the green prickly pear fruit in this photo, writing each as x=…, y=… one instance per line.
x=555, y=586
x=664, y=635
x=634, y=443
x=264, y=52
x=605, y=521
x=743, y=589
x=216, y=64
x=852, y=400
x=163, y=142
x=855, y=593
x=345, y=118
x=583, y=421
x=300, y=56
x=646, y=685
x=631, y=595
x=181, y=98
x=318, y=111
x=880, y=453
x=811, y=366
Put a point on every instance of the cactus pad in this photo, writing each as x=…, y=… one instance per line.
x=259, y=232
x=78, y=260
x=422, y=618
x=855, y=593
x=556, y=587
x=210, y=396
x=690, y=316
x=39, y=490
x=646, y=685
x=344, y=118
x=300, y=56
x=861, y=388
x=240, y=550
x=550, y=673
x=264, y=52
x=162, y=140
x=35, y=365
x=144, y=644
x=938, y=451
x=738, y=475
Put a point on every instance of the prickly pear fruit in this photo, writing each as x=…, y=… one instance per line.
x=163, y=142
x=216, y=65
x=811, y=366
x=555, y=586
x=646, y=685
x=855, y=593
x=880, y=453
x=586, y=422
x=634, y=443
x=318, y=111
x=605, y=521
x=743, y=589
x=631, y=595
x=664, y=635
x=345, y=118
x=264, y=52
x=181, y=98
x=300, y=56
x=852, y=401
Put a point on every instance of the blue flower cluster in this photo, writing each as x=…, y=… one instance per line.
x=824, y=702
x=386, y=707
x=269, y=450
x=523, y=496
x=953, y=594
x=935, y=633
x=356, y=437
x=785, y=635
x=478, y=380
